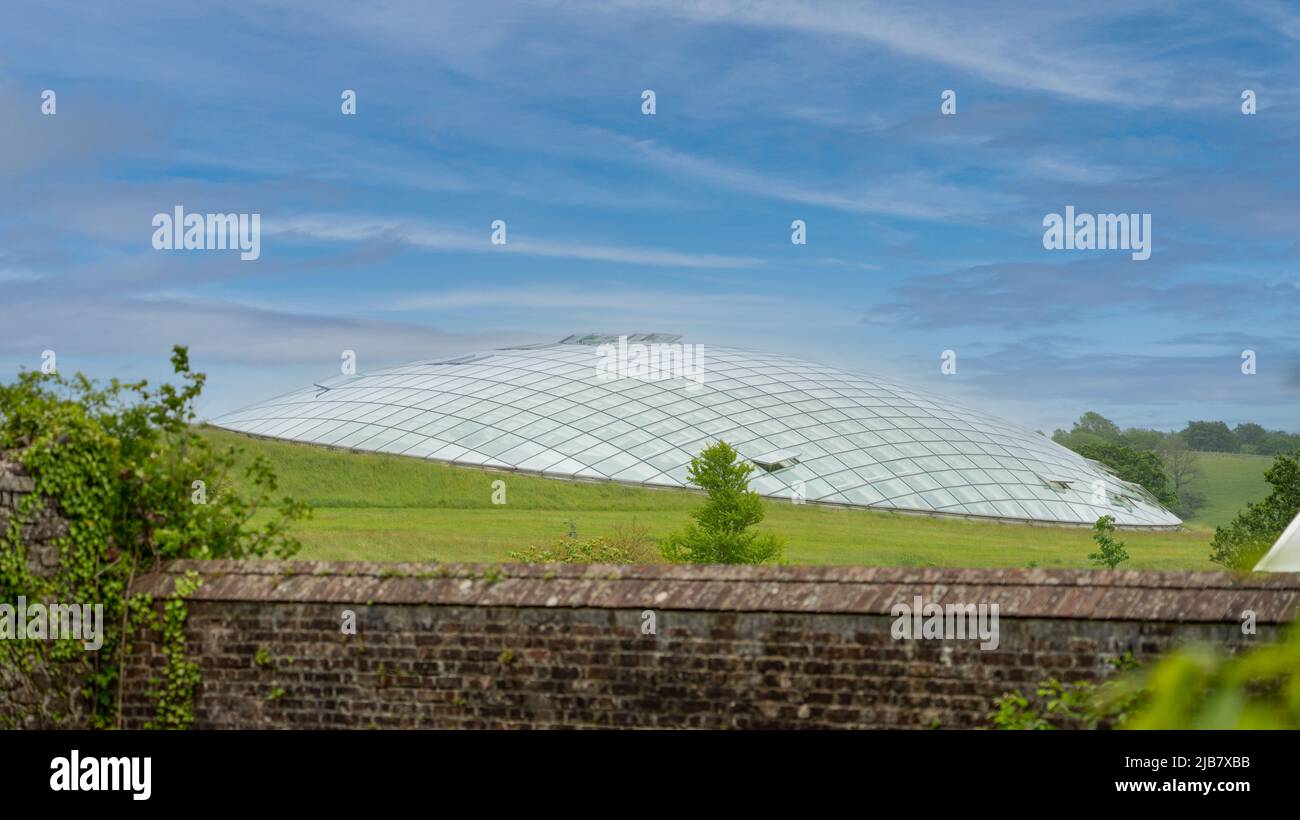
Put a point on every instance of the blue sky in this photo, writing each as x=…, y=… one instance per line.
x=924, y=231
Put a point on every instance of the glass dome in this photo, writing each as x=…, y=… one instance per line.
x=815, y=433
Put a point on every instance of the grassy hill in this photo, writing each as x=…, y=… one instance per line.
x=389, y=508
x=1231, y=481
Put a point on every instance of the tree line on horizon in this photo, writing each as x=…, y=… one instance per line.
x=1166, y=463
x=1200, y=436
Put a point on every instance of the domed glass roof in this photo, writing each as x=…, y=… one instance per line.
x=816, y=433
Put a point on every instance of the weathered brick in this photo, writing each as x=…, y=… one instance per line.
x=737, y=647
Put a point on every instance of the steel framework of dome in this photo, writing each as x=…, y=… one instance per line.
x=816, y=433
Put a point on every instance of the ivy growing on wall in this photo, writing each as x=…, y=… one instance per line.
x=120, y=464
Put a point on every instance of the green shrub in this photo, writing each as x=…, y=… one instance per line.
x=573, y=551
x=1079, y=705
x=636, y=540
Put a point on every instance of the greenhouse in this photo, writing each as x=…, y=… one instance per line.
x=816, y=434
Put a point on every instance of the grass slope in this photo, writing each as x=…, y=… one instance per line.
x=389, y=508
x=1231, y=482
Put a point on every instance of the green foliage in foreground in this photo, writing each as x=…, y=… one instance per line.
x=1241, y=543
x=121, y=462
x=1194, y=687
x=720, y=532
x=1079, y=705
x=1203, y=687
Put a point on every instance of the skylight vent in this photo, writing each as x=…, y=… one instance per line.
x=776, y=460
x=1059, y=484
x=1124, y=501
x=613, y=338
x=470, y=359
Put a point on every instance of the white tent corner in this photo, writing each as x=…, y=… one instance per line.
x=1285, y=554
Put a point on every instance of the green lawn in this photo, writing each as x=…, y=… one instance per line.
x=388, y=508
x=1231, y=481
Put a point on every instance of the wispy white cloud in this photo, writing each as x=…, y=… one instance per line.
x=434, y=237
x=1027, y=49
x=915, y=195
x=612, y=299
x=1073, y=169
x=376, y=234
x=1280, y=17
x=222, y=331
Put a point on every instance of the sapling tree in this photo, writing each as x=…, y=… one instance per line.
x=721, y=531
x=1110, y=553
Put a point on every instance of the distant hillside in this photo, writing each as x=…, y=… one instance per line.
x=1231, y=481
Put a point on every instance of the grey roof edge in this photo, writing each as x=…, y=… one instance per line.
x=1207, y=597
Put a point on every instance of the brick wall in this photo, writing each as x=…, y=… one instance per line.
x=30, y=700
x=753, y=647
x=40, y=527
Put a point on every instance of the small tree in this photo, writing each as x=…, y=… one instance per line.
x=1110, y=553
x=720, y=532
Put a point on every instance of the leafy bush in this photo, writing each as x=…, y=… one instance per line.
x=1013, y=711
x=1081, y=705
x=636, y=540
x=120, y=465
x=720, y=532
x=1242, y=542
x=631, y=543
x=573, y=551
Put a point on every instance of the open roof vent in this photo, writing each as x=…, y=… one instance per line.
x=470, y=359
x=776, y=460
x=1059, y=484
x=612, y=338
